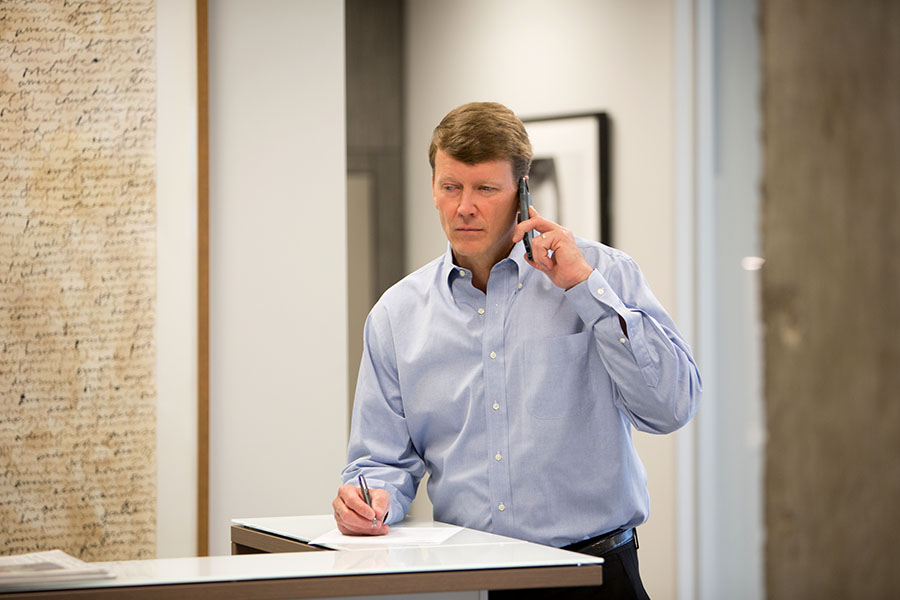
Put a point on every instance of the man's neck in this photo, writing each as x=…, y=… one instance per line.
x=480, y=276
x=481, y=266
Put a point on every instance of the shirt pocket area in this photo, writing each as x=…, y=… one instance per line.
x=554, y=376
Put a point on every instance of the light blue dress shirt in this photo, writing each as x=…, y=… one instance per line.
x=519, y=402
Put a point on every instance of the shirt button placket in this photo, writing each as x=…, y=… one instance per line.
x=499, y=293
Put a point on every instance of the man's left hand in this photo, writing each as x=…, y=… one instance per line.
x=555, y=251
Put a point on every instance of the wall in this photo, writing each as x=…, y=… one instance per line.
x=278, y=278
x=176, y=319
x=78, y=290
x=830, y=288
x=541, y=59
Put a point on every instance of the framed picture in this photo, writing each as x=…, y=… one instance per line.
x=569, y=178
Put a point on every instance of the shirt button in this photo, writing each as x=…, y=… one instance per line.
x=623, y=340
x=501, y=507
x=496, y=406
x=520, y=285
x=599, y=291
x=493, y=355
x=462, y=273
x=498, y=456
x=480, y=311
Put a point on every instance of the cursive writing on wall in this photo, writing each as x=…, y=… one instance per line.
x=77, y=278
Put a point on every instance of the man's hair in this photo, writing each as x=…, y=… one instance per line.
x=483, y=131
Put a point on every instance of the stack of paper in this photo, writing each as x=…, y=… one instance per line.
x=46, y=567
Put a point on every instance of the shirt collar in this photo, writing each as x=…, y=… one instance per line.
x=450, y=272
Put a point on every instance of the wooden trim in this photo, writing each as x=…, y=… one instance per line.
x=342, y=586
x=202, y=279
x=252, y=541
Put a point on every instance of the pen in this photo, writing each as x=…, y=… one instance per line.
x=367, y=497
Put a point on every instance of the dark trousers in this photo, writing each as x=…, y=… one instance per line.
x=621, y=581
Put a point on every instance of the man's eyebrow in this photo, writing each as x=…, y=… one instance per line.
x=487, y=182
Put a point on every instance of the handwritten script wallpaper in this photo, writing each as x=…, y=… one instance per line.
x=78, y=278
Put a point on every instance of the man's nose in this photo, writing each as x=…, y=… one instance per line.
x=466, y=203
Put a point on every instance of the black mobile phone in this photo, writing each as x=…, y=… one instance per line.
x=524, y=203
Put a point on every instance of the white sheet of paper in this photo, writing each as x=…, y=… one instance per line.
x=400, y=536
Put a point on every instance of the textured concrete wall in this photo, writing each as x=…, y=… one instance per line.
x=831, y=297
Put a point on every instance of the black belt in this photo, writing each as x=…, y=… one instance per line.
x=600, y=545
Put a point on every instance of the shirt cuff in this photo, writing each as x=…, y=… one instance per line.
x=396, y=512
x=593, y=299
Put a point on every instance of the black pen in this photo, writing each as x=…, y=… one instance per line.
x=367, y=498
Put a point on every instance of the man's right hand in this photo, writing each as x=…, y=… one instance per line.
x=354, y=517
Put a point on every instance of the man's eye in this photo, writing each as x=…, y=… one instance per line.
x=487, y=188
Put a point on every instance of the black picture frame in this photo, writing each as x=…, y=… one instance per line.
x=570, y=177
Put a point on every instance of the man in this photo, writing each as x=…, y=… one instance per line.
x=514, y=383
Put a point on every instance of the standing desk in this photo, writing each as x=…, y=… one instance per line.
x=468, y=562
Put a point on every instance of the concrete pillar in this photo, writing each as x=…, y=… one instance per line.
x=831, y=297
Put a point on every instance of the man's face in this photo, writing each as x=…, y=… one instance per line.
x=478, y=205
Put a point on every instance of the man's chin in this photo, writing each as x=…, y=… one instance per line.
x=466, y=247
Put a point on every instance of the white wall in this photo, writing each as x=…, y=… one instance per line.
x=278, y=280
x=176, y=314
x=278, y=391
x=543, y=58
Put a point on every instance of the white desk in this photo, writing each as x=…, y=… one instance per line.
x=468, y=561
